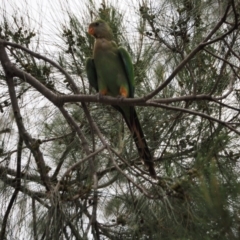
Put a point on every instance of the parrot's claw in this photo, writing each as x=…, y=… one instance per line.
x=121, y=97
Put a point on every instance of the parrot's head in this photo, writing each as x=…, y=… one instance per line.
x=100, y=29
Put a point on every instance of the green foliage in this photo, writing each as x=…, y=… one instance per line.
x=190, y=124
x=19, y=35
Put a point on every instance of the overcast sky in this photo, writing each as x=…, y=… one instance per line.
x=45, y=16
x=53, y=11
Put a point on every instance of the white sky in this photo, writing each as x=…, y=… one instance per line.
x=49, y=13
x=46, y=17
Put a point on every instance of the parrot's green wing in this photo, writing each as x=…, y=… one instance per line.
x=91, y=73
x=111, y=73
x=128, y=66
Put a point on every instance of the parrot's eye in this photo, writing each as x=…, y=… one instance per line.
x=97, y=24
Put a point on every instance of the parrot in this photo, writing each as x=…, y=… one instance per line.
x=110, y=72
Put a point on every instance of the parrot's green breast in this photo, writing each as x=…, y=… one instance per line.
x=109, y=67
x=111, y=72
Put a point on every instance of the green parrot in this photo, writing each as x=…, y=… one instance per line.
x=110, y=72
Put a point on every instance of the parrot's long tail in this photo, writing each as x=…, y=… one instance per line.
x=138, y=136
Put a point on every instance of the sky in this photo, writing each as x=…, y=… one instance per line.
x=49, y=13
x=46, y=17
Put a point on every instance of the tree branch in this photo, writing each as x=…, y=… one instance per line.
x=31, y=143
x=74, y=166
x=17, y=188
x=203, y=115
x=199, y=47
x=39, y=56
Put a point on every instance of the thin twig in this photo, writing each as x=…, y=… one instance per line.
x=31, y=143
x=195, y=113
x=35, y=236
x=39, y=56
x=70, y=169
x=17, y=188
x=199, y=47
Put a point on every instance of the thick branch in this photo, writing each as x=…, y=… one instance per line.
x=31, y=143
x=39, y=56
x=11, y=70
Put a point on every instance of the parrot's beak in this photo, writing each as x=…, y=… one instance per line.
x=91, y=30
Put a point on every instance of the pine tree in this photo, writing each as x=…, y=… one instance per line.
x=69, y=168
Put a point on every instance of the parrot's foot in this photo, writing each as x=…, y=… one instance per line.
x=120, y=98
x=123, y=92
x=101, y=93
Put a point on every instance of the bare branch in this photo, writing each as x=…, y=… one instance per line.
x=31, y=143
x=199, y=47
x=75, y=127
x=39, y=56
x=74, y=166
x=203, y=115
x=34, y=219
x=17, y=188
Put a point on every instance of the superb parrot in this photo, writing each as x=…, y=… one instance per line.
x=110, y=72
